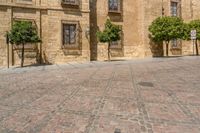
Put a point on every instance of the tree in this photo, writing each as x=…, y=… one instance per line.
x=23, y=32
x=111, y=33
x=165, y=29
x=193, y=25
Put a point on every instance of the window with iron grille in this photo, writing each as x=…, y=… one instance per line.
x=69, y=34
x=71, y=2
x=114, y=5
x=176, y=43
x=174, y=8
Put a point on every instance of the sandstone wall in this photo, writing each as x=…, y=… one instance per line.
x=153, y=9
x=135, y=18
x=32, y=50
x=130, y=19
x=191, y=9
x=133, y=28
x=53, y=51
x=5, y=22
x=47, y=15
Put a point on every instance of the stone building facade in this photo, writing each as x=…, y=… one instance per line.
x=61, y=24
x=68, y=28
x=135, y=16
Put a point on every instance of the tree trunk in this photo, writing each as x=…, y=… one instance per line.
x=167, y=48
x=197, y=49
x=109, y=51
x=22, y=57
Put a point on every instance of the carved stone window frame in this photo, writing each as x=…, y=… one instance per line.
x=176, y=44
x=179, y=7
x=77, y=41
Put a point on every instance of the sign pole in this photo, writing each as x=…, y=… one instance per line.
x=193, y=35
x=193, y=46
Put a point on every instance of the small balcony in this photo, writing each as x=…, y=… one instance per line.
x=70, y=2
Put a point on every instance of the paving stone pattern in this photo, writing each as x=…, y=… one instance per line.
x=137, y=96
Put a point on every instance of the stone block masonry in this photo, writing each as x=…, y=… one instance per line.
x=134, y=16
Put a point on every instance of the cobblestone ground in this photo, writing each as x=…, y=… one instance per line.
x=138, y=96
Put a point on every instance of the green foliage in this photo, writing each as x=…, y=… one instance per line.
x=193, y=25
x=166, y=29
x=110, y=33
x=23, y=32
x=186, y=32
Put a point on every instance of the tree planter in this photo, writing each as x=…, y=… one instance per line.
x=176, y=51
x=26, y=47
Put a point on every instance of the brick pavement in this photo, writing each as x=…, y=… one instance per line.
x=137, y=96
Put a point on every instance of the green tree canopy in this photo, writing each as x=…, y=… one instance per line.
x=111, y=33
x=23, y=32
x=186, y=31
x=192, y=25
x=166, y=28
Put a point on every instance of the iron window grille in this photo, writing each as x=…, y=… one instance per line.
x=175, y=7
x=114, y=6
x=70, y=34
